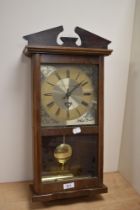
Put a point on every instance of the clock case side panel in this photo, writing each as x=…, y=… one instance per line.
x=101, y=120
x=35, y=62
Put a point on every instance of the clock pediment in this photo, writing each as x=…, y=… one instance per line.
x=49, y=38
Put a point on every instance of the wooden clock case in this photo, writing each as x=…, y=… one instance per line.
x=43, y=48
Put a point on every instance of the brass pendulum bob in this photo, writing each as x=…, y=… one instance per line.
x=63, y=153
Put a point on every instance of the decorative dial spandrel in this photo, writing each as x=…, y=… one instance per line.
x=68, y=94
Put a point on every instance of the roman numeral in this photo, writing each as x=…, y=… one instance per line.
x=87, y=94
x=47, y=94
x=77, y=110
x=57, y=111
x=57, y=75
x=84, y=103
x=50, y=83
x=68, y=114
x=49, y=105
x=77, y=76
x=68, y=73
x=83, y=84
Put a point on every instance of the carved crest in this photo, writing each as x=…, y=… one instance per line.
x=49, y=38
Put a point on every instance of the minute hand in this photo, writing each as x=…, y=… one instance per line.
x=76, y=86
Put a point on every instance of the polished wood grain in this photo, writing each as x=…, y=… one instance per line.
x=121, y=196
x=79, y=59
x=29, y=50
x=49, y=38
x=61, y=195
x=68, y=131
x=36, y=121
x=101, y=119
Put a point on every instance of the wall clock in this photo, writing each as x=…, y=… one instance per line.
x=67, y=94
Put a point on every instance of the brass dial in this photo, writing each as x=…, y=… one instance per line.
x=66, y=93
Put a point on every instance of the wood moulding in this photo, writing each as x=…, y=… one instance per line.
x=67, y=194
x=46, y=42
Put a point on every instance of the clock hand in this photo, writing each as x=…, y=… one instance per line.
x=68, y=93
x=76, y=86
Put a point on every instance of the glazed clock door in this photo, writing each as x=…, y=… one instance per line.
x=69, y=100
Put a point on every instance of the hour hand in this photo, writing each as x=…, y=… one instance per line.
x=66, y=96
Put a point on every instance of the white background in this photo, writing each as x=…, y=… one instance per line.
x=111, y=19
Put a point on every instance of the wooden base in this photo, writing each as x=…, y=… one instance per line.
x=67, y=194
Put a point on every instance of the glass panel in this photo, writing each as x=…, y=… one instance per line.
x=69, y=94
x=74, y=157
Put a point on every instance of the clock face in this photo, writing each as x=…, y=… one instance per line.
x=68, y=95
